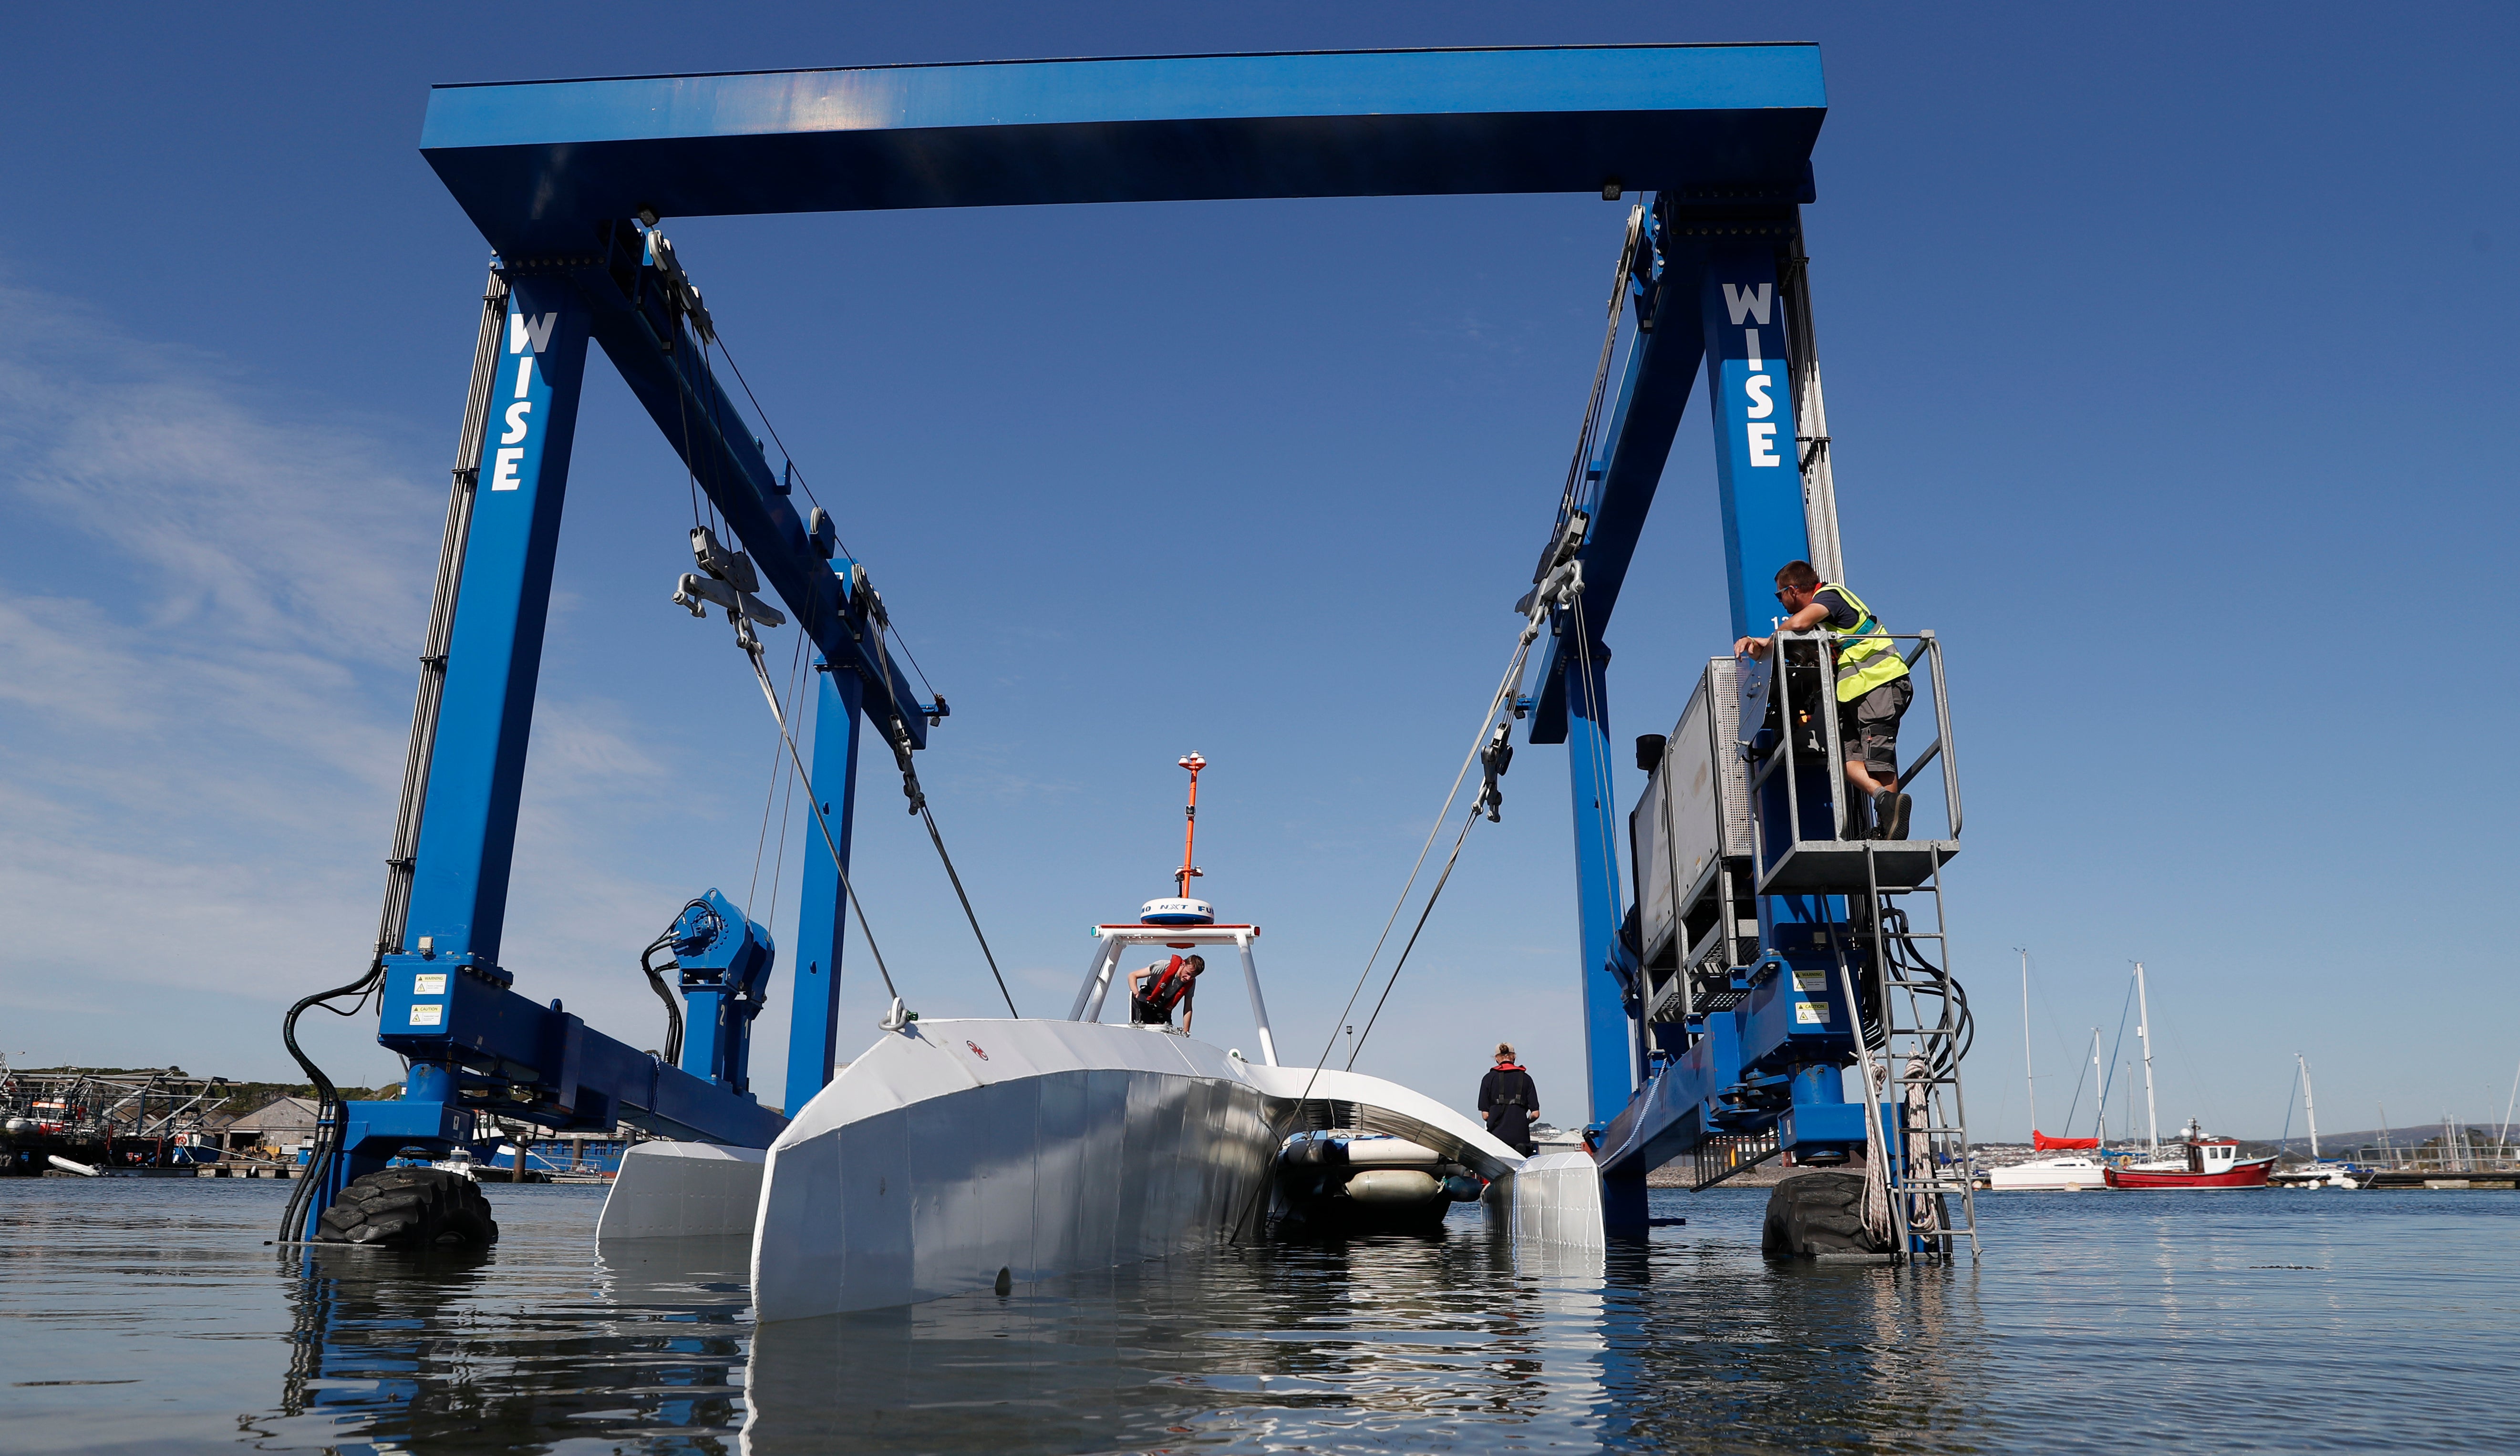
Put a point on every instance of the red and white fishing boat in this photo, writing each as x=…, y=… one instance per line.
x=2210, y=1163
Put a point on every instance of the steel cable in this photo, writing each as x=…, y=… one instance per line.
x=1432, y=896
x=950, y=874
x=814, y=802
x=1508, y=689
x=799, y=474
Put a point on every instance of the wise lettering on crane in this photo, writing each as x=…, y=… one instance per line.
x=1755, y=304
x=523, y=334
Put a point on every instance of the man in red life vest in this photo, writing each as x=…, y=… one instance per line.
x=1153, y=991
x=1509, y=1100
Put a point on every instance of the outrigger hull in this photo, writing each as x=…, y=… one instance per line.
x=955, y=1154
x=959, y=1155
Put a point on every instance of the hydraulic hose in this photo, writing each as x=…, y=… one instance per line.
x=327, y=1103
x=673, y=1008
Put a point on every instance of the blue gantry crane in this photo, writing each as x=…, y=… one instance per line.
x=1698, y=1000
x=1762, y=942
x=476, y=1046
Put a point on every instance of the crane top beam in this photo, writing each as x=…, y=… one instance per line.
x=535, y=164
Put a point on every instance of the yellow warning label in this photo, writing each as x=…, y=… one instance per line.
x=1811, y=1013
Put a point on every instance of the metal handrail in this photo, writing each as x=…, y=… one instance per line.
x=1929, y=648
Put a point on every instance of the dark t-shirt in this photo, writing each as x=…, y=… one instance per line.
x=1841, y=615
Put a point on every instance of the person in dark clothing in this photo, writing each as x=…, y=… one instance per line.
x=1509, y=1100
x=1155, y=990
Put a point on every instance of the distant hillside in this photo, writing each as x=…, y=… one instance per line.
x=2483, y=1135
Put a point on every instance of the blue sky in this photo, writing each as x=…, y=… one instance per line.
x=2168, y=356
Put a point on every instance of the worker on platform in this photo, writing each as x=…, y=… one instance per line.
x=1873, y=688
x=1155, y=990
x=1508, y=1099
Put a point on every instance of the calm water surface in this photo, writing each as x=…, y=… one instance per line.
x=146, y=1315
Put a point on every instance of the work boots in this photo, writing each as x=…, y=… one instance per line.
x=1890, y=812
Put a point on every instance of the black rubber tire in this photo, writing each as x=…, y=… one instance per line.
x=410, y=1208
x=1815, y=1213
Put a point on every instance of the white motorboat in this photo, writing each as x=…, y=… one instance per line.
x=968, y=1154
x=2072, y=1173
x=960, y=1155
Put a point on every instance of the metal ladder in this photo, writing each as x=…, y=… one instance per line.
x=1936, y=1163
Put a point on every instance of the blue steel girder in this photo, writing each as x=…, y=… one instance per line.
x=1653, y=393
x=822, y=910
x=459, y=896
x=536, y=165
x=1705, y=264
x=656, y=350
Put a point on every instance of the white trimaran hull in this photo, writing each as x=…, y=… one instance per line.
x=955, y=1152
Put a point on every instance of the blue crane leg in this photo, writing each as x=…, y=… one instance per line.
x=1609, y=1050
x=822, y=916
x=1759, y=476
x=459, y=896
x=1756, y=469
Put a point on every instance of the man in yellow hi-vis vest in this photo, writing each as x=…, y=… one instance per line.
x=1873, y=688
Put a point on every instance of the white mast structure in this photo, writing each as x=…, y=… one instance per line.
x=2308, y=1105
x=2028, y=1077
x=2143, y=1033
x=2504, y=1136
x=2100, y=1081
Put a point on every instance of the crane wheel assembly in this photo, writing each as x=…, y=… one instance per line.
x=1813, y=1215
x=410, y=1208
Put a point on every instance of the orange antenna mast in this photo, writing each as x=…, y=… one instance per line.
x=1189, y=830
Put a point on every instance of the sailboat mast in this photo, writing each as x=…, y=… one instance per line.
x=2308, y=1104
x=2100, y=1081
x=2144, y=1033
x=2028, y=1077
x=2504, y=1137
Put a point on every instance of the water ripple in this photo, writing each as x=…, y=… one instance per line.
x=150, y=1315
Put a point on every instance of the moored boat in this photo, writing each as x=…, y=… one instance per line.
x=2069, y=1174
x=2209, y=1162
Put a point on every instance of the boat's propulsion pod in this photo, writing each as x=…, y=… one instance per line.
x=1337, y=1182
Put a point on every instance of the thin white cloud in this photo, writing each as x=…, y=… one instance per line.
x=205, y=673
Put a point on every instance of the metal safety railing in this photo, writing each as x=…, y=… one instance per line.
x=1801, y=681
x=1916, y=1029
